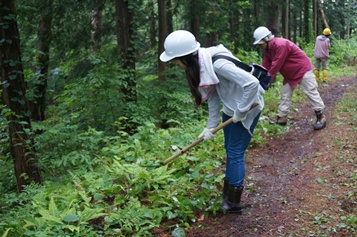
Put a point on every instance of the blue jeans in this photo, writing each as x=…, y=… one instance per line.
x=236, y=142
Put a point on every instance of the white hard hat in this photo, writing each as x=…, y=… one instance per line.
x=260, y=33
x=179, y=43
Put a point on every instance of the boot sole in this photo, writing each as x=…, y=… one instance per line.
x=237, y=210
x=322, y=127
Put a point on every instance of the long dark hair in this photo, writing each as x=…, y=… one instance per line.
x=193, y=75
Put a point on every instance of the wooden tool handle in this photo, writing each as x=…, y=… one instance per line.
x=219, y=127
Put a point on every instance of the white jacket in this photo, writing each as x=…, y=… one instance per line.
x=237, y=90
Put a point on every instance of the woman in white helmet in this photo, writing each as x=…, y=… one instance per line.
x=219, y=83
x=282, y=55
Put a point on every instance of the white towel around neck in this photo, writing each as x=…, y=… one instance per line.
x=208, y=78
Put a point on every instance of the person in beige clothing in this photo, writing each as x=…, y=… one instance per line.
x=283, y=56
x=321, y=54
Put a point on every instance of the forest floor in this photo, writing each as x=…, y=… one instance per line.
x=294, y=183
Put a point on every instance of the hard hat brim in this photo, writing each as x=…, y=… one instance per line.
x=260, y=41
x=165, y=58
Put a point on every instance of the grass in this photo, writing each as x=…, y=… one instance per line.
x=338, y=180
x=118, y=196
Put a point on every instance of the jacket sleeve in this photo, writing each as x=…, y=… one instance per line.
x=280, y=53
x=247, y=82
x=214, y=106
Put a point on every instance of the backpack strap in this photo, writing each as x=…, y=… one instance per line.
x=239, y=64
x=256, y=70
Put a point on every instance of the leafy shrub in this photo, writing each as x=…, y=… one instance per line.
x=63, y=147
x=100, y=185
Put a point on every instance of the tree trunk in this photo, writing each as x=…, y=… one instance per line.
x=234, y=26
x=162, y=36
x=195, y=18
x=126, y=55
x=322, y=14
x=126, y=51
x=348, y=20
x=301, y=24
x=256, y=13
x=272, y=17
x=152, y=24
x=96, y=28
x=14, y=89
x=285, y=19
x=306, y=34
x=38, y=105
x=314, y=13
x=211, y=38
x=169, y=16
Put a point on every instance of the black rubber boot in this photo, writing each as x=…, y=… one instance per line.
x=232, y=203
x=225, y=193
x=225, y=188
x=280, y=121
x=320, y=120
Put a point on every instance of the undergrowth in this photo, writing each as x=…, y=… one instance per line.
x=99, y=185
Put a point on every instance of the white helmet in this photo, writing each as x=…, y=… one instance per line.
x=179, y=43
x=260, y=33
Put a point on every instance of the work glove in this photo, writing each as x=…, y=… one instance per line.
x=239, y=116
x=207, y=134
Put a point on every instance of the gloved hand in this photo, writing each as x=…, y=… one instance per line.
x=239, y=116
x=207, y=134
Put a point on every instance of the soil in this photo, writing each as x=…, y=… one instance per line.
x=291, y=183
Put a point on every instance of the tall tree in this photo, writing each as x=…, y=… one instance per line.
x=126, y=54
x=285, y=19
x=38, y=104
x=162, y=35
x=234, y=26
x=126, y=48
x=322, y=15
x=211, y=23
x=306, y=28
x=14, y=91
x=314, y=14
x=293, y=23
x=169, y=16
x=195, y=18
x=152, y=23
x=96, y=22
x=348, y=20
x=273, y=16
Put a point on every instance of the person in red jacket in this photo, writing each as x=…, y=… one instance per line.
x=282, y=55
x=321, y=54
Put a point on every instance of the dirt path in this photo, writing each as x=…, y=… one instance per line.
x=290, y=181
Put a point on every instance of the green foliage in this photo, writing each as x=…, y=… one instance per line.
x=173, y=105
x=99, y=179
x=62, y=210
x=249, y=57
x=344, y=52
x=347, y=106
x=123, y=185
x=93, y=98
x=116, y=177
x=7, y=180
x=62, y=146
